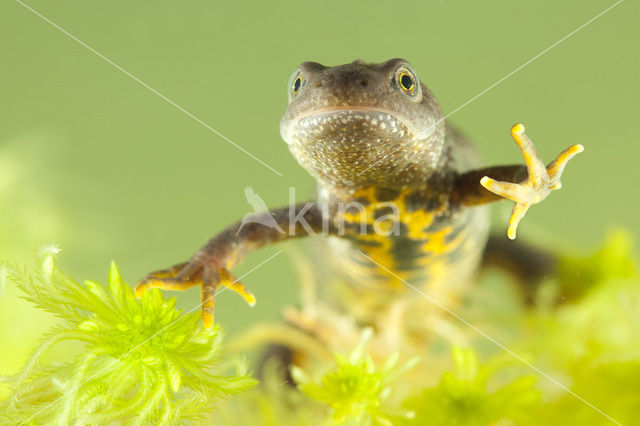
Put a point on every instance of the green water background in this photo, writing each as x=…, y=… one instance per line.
x=95, y=162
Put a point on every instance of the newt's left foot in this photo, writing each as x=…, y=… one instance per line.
x=540, y=182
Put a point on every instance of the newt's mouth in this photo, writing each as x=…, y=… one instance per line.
x=347, y=125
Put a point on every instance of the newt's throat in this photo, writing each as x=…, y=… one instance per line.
x=359, y=147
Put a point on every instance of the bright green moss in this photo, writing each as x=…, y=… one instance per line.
x=462, y=396
x=355, y=389
x=142, y=360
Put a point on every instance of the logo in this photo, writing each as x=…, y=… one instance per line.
x=383, y=224
x=260, y=214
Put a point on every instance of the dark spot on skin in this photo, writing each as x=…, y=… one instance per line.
x=452, y=236
x=406, y=253
x=354, y=229
x=431, y=204
x=362, y=243
x=386, y=194
x=440, y=222
x=383, y=211
x=404, y=250
x=362, y=200
x=360, y=260
x=418, y=200
x=456, y=254
x=364, y=82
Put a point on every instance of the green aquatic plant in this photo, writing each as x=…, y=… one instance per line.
x=462, y=397
x=142, y=361
x=356, y=389
x=595, y=341
x=578, y=274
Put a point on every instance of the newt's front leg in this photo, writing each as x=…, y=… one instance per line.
x=523, y=185
x=210, y=266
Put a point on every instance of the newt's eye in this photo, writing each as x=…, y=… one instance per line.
x=406, y=81
x=296, y=83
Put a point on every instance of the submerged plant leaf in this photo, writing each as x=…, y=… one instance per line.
x=144, y=363
x=463, y=398
x=578, y=274
x=355, y=389
x=143, y=360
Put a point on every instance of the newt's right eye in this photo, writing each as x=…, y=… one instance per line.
x=296, y=83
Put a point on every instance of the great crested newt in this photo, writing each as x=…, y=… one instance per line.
x=401, y=197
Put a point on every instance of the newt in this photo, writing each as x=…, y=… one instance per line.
x=401, y=193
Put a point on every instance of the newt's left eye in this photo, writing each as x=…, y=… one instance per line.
x=406, y=81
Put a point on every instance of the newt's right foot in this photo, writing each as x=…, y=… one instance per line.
x=196, y=272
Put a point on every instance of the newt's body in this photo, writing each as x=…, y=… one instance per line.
x=399, y=193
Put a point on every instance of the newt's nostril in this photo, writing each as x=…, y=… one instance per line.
x=364, y=82
x=319, y=83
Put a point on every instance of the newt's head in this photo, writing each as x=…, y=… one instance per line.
x=363, y=124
